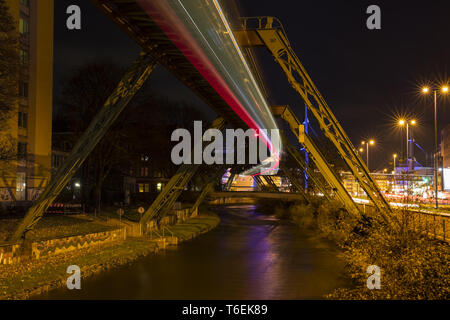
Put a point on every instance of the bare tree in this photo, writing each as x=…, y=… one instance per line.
x=9, y=79
x=143, y=128
x=83, y=95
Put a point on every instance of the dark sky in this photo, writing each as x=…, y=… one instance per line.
x=367, y=77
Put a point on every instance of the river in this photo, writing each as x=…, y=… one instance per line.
x=250, y=255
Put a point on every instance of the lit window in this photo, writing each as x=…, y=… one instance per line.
x=24, y=57
x=159, y=186
x=141, y=188
x=24, y=27
x=21, y=182
x=21, y=186
x=147, y=187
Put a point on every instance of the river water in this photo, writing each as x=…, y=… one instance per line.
x=250, y=255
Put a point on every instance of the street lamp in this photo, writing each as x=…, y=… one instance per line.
x=370, y=143
x=393, y=171
x=395, y=158
x=401, y=123
x=444, y=90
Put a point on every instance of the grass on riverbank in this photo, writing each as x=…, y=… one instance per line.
x=195, y=226
x=20, y=281
x=412, y=265
x=36, y=276
x=51, y=227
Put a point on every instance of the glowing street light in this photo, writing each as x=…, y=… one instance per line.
x=401, y=123
x=444, y=89
x=371, y=143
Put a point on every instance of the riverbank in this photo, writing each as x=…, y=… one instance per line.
x=414, y=265
x=24, y=280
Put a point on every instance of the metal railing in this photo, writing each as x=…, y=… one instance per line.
x=434, y=225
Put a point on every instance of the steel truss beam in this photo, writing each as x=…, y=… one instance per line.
x=312, y=175
x=130, y=84
x=296, y=184
x=209, y=188
x=129, y=16
x=170, y=193
x=271, y=183
x=314, y=153
x=268, y=32
x=325, y=168
x=193, y=212
x=230, y=180
x=265, y=181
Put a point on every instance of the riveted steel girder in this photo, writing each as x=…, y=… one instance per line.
x=130, y=84
x=269, y=33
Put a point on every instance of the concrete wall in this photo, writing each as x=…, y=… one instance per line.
x=11, y=254
x=176, y=216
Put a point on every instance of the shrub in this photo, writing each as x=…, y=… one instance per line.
x=303, y=215
x=412, y=265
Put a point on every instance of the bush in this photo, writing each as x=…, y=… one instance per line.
x=303, y=215
x=412, y=266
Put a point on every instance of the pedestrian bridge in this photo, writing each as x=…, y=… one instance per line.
x=259, y=195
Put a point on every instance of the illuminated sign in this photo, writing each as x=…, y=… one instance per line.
x=446, y=175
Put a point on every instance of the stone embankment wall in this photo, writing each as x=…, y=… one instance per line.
x=15, y=253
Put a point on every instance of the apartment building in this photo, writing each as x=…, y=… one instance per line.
x=22, y=179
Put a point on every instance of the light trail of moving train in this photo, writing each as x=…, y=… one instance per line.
x=200, y=30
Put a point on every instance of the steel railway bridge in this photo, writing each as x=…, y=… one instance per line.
x=181, y=35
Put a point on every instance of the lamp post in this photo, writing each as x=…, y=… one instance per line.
x=395, y=158
x=401, y=123
x=393, y=171
x=369, y=143
x=444, y=90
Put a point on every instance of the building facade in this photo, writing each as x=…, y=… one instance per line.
x=445, y=146
x=22, y=179
x=445, y=157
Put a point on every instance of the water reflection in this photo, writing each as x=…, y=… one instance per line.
x=249, y=256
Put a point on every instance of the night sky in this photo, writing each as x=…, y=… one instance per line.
x=367, y=77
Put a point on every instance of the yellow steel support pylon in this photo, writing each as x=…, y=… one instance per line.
x=170, y=193
x=268, y=32
x=316, y=156
x=127, y=88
